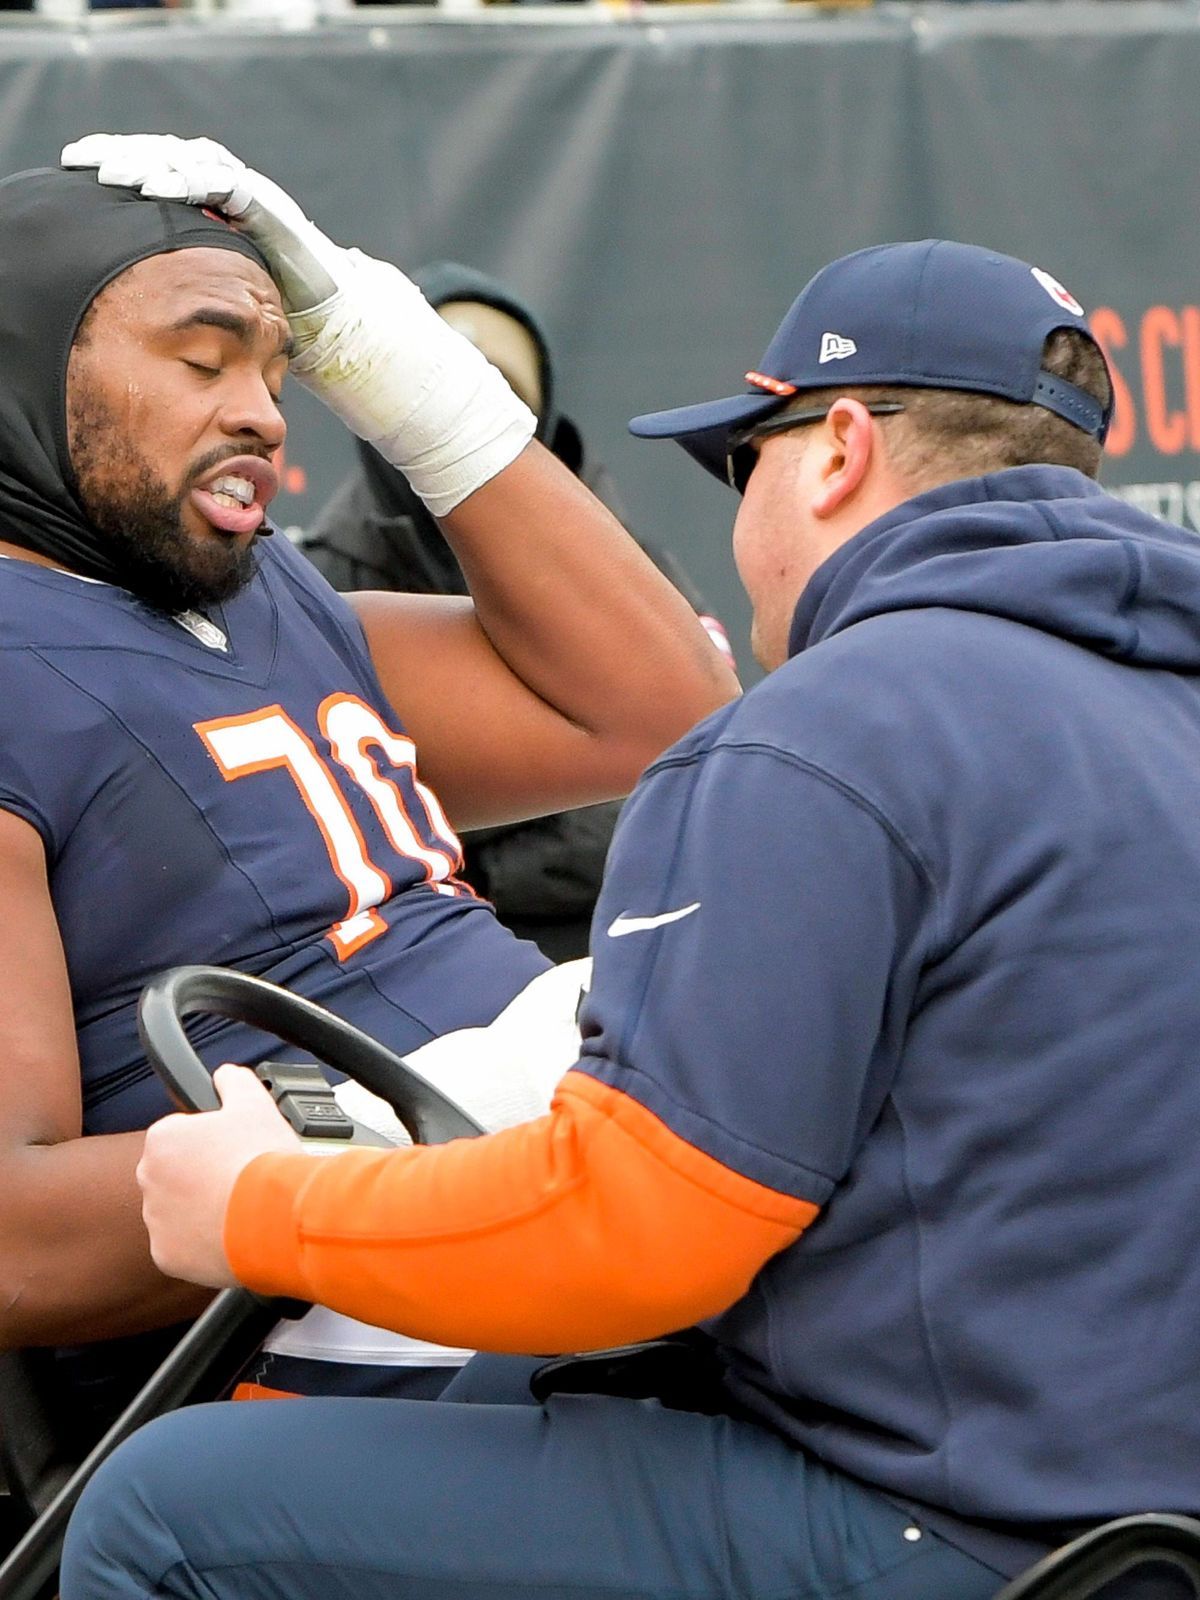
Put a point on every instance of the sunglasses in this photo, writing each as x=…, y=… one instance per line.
x=740, y=460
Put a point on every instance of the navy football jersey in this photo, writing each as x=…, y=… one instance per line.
x=237, y=791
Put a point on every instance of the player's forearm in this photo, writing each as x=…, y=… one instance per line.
x=580, y=613
x=591, y=1227
x=74, y=1258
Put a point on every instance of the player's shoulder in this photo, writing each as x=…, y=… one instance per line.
x=46, y=608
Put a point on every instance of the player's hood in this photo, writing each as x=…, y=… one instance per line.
x=63, y=237
x=1043, y=546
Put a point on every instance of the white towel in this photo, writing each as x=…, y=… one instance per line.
x=502, y=1074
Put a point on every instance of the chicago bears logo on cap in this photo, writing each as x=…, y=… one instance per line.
x=1060, y=296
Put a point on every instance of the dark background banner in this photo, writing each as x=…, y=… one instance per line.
x=660, y=186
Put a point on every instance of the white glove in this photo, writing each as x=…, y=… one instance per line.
x=367, y=341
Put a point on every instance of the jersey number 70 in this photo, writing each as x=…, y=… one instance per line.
x=258, y=741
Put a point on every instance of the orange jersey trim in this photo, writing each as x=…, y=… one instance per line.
x=260, y=1391
x=593, y=1226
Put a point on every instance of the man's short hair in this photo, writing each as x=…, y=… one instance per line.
x=944, y=434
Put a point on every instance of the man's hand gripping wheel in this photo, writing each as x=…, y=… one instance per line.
x=188, y=1169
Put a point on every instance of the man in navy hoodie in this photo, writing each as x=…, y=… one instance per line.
x=888, y=1071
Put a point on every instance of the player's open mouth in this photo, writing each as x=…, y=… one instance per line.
x=234, y=496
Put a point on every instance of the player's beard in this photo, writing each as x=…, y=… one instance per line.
x=141, y=518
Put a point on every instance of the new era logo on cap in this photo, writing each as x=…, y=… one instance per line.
x=835, y=348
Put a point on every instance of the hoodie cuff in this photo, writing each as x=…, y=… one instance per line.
x=261, y=1237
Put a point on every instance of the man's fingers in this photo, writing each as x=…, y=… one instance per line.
x=189, y=1167
x=206, y=183
x=86, y=152
x=163, y=183
x=155, y=1135
x=132, y=150
x=163, y=167
x=239, y=1089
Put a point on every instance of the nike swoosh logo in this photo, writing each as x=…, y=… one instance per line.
x=627, y=924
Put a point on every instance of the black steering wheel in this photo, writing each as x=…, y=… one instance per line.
x=430, y=1116
x=213, y=1352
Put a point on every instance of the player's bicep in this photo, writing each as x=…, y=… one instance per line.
x=39, y=1061
x=490, y=747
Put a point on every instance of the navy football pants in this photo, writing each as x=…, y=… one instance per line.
x=586, y=1498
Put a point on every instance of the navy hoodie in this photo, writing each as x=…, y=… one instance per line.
x=934, y=965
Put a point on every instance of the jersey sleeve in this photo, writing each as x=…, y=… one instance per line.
x=755, y=944
x=42, y=717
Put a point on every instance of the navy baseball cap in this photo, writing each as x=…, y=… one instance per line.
x=930, y=315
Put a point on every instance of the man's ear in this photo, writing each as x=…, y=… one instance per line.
x=848, y=434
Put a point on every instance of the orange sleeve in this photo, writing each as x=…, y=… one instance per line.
x=593, y=1226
